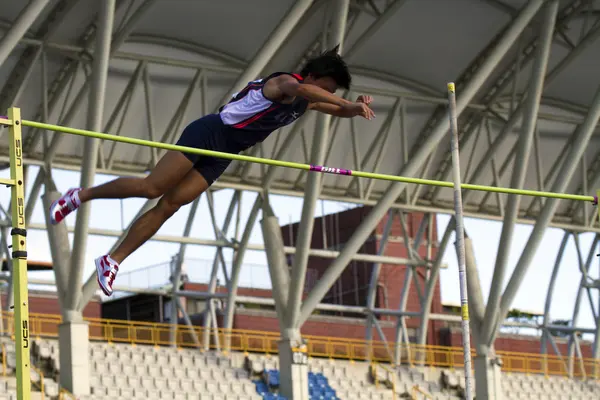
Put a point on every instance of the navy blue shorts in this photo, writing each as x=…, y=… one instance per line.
x=210, y=133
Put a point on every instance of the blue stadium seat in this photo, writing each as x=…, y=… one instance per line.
x=261, y=387
x=318, y=386
x=273, y=378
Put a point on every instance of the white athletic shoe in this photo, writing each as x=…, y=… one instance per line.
x=106, y=270
x=66, y=204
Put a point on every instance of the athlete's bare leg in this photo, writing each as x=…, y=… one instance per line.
x=192, y=186
x=188, y=189
x=167, y=173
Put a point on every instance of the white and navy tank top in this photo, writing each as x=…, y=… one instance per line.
x=251, y=112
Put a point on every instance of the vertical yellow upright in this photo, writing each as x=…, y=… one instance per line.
x=19, y=256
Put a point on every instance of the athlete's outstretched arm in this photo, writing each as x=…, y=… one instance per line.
x=287, y=86
x=347, y=112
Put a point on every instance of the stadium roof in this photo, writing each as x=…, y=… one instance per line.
x=402, y=52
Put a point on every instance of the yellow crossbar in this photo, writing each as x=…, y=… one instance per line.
x=294, y=165
x=7, y=182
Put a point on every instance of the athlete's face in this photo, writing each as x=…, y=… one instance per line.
x=325, y=83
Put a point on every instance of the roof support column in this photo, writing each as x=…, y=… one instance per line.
x=236, y=269
x=521, y=162
x=548, y=303
x=582, y=136
x=411, y=168
x=60, y=248
x=95, y=112
x=372, y=293
x=339, y=11
x=27, y=17
x=431, y=282
x=584, y=267
x=212, y=283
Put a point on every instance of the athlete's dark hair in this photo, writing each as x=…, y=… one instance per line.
x=329, y=64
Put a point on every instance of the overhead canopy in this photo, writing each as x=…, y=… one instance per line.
x=401, y=52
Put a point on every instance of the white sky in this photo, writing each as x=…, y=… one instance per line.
x=485, y=234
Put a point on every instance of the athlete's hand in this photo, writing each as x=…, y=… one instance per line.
x=364, y=99
x=359, y=109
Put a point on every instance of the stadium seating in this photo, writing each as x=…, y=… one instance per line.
x=121, y=371
x=318, y=387
x=347, y=380
x=8, y=383
x=524, y=386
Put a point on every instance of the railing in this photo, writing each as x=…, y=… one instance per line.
x=39, y=385
x=64, y=394
x=4, y=369
x=390, y=377
x=416, y=390
x=248, y=341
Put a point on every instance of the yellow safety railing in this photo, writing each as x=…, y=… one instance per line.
x=390, y=377
x=64, y=394
x=250, y=341
x=416, y=390
x=4, y=368
x=39, y=385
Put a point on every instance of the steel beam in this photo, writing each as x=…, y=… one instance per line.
x=419, y=157
x=551, y=286
x=431, y=282
x=60, y=247
x=122, y=105
x=178, y=264
x=556, y=165
x=372, y=291
x=17, y=92
x=573, y=343
x=382, y=135
x=388, y=13
x=278, y=269
x=268, y=49
x=339, y=11
x=521, y=162
x=219, y=235
x=25, y=19
x=18, y=78
x=510, y=73
x=236, y=269
x=331, y=254
x=212, y=283
x=330, y=194
x=516, y=115
x=70, y=69
x=401, y=328
x=475, y=295
x=584, y=268
x=582, y=137
x=95, y=113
